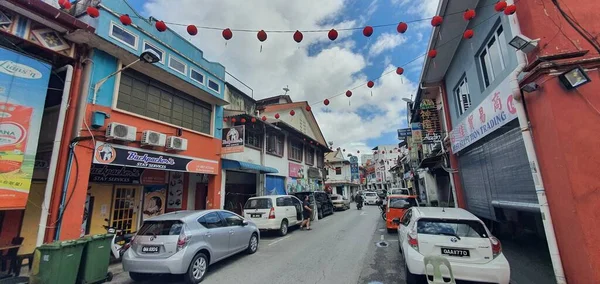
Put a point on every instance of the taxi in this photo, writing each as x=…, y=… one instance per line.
x=397, y=204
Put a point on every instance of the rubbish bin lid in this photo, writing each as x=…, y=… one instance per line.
x=70, y=243
x=50, y=246
x=101, y=236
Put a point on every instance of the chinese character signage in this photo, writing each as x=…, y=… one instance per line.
x=494, y=112
x=233, y=140
x=23, y=87
x=355, y=176
x=430, y=122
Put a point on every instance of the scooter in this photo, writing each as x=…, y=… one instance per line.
x=120, y=242
x=359, y=205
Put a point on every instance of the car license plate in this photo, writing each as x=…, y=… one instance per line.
x=255, y=215
x=150, y=249
x=456, y=252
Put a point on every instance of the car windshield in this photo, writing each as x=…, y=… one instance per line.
x=258, y=203
x=449, y=227
x=402, y=202
x=370, y=194
x=161, y=228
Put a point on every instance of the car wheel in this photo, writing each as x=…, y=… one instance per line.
x=283, y=229
x=197, y=269
x=138, y=277
x=252, y=244
x=320, y=215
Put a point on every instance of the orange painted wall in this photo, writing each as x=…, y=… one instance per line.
x=11, y=225
x=199, y=146
x=566, y=135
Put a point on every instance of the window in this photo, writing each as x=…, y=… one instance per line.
x=161, y=228
x=320, y=161
x=275, y=143
x=295, y=150
x=402, y=203
x=197, y=76
x=159, y=52
x=310, y=156
x=406, y=218
x=211, y=220
x=449, y=227
x=258, y=203
x=491, y=59
x=280, y=201
x=463, y=97
x=145, y=96
x=231, y=219
x=338, y=171
x=177, y=65
x=123, y=36
x=213, y=85
x=253, y=138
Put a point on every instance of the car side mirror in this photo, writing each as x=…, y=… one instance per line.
x=245, y=223
x=396, y=221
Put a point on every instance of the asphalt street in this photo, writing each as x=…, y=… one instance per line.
x=343, y=248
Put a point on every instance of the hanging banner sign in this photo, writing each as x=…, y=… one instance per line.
x=23, y=87
x=233, y=140
x=403, y=133
x=494, y=112
x=119, y=155
x=417, y=136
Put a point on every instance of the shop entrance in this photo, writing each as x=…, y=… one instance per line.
x=239, y=187
x=124, y=213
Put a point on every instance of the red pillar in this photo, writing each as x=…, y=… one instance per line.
x=213, y=197
x=453, y=160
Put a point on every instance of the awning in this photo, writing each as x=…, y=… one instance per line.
x=430, y=162
x=239, y=165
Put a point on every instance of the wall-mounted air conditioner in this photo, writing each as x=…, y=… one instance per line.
x=120, y=131
x=176, y=143
x=153, y=138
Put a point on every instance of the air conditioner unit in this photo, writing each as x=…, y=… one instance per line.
x=120, y=131
x=153, y=138
x=176, y=143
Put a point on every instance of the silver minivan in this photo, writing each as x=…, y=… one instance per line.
x=187, y=242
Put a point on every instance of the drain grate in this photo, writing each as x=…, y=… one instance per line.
x=383, y=244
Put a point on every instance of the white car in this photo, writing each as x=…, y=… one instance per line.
x=370, y=198
x=274, y=212
x=456, y=234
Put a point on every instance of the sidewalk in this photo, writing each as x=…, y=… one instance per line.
x=529, y=260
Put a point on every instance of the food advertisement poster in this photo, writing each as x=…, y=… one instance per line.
x=23, y=86
x=154, y=200
x=175, y=190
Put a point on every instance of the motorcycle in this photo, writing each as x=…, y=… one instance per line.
x=359, y=205
x=383, y=209
x=120, y=242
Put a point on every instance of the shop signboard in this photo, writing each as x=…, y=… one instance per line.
x=296, y=170
x=354, y=169
x=175, y=197
x=233, y=139
x=314, y=173
x=154, y=201
x=417, y=135
x=119, y=155
x=23, y=87
x=430, y=122
x=492, y=113
x=403, y=133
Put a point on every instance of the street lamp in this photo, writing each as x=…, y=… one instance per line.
x=148, y=56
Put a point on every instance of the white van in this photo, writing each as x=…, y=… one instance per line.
x=370, y=198
x=274, y=212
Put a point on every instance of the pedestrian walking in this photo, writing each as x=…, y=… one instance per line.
x=307, y=212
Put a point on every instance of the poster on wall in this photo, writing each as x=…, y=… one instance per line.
x=154, y=200
x=23, y=87
x=175, y=197
x=233, y=139
x=295, y=170
x=296, y=185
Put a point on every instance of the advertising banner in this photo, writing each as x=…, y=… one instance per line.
x=355, y=176
x=154, y=200
x=417, y=135
x=119, y=155
x=492, y=113
x=23, y=87
x=403, y=133
x=175, y=197
x=296, y=170
x=233, y=139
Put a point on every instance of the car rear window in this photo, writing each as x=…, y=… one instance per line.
x=370, y=194
x=335, y=197
x=258, y=203
x=401, y=202
x=161, y=228
x=447, y=227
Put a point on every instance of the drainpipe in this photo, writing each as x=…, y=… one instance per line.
x=533, y=161
x=65, y=190
x=64, y=104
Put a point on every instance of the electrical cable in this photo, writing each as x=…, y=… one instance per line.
x=59, y=219
x=582, y=31
x=588, y=102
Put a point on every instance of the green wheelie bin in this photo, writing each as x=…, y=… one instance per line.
x=95, y=260
x=57, y=263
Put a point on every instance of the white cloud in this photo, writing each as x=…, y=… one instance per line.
x=386, y=41
x=312, y=77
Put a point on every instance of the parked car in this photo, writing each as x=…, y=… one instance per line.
x=396, y=206
x=456, y=234
x=403, y=191
x=371, y=198
x=274, y=212
x=187, y=242
x=340, y=202
x=321, y=199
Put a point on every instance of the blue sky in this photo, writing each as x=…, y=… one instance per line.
x=319, y=68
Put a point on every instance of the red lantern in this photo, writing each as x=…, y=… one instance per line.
x=500, y=6
x=65, y=4
x=382, y=152
x=261, y=35
x=510, y=9
x=125, y=19
x=243, y=120
x=370, y=84
x=308, y=108
x=292, y=112
x=92, y=12
x=348, y=93
x=225, y=119
x=368, y=31
x=358, y=152
x=432, y=53
x=311, y=142
x=375, y=153
x=468, y=34
x=399, y=70
x=409, y=148
x=227, y=34
x=344, y=150
x=326, y=102
x=298, y=36
x=436, y=21
x=264, y=118
x=233, y=120
x=192, y=30
x=332, y=34
x=160, y=26
x=276, y=116
x=402, y=27
x=469, y=14
x=253, y=120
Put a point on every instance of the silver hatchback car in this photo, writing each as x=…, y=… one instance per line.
x=187, y=242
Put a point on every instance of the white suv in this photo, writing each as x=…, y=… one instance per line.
x=274, y=212
x=455, y=234
x=370, y=197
